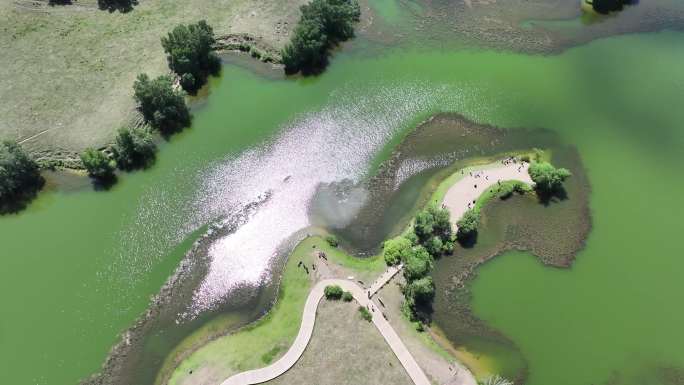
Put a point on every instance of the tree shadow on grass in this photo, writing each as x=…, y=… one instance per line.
x=122, y=6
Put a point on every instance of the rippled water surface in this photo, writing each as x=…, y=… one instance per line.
x=80, y=266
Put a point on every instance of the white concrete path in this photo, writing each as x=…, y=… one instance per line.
x=279, y=367
x=459, y=198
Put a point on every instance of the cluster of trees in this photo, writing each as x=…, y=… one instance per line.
x=430, y=238
x=133, y=148
x=20, y=177
x=189, y=50
x=323, y=24
x=547, y=179
x=190, y=54
x=607, y=6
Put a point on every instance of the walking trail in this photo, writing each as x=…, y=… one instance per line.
x=457, y=199
x=362, y=296
x=460, y=197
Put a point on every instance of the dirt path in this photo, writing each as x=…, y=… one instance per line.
x=461, y=196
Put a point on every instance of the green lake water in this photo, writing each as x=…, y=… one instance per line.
x=79, y=266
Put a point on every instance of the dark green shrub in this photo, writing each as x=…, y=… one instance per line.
x=468, y=224
x=98, y=165
x=347, y=296
x=20, y=177
x=134, y=148
x=365, y=314
x=332, y=240
x=333, y=292
x=162, y=107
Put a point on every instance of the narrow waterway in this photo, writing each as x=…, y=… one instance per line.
x=80, y=266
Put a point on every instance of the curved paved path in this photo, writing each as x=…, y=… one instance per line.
x=475, y=182
x=457, y=200
x=279, y=367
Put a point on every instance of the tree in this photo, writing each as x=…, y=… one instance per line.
x=333, y=292
x=395, y=250
x=97, y=164
x=467, y=225
x=323, y=23
x=424, y=225
x=190, y=53
x=547, y=178
x=432, y=227
x=307, y=48
x=421, y=290
x=347, y=296
x=161, y=106
x=434, y=246
x=607, y=6
x=20, y=177
x=336, y=16
x=134, y=148
x=418, y=263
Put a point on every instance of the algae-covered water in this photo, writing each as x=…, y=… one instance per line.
x=79, y=266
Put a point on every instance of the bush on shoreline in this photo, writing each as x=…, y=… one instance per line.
x=190, y=54
x=547, y=178
x=20, y=178
x=98, y=165
x=323, y=24
x=134, y=148
x=162, y=107
x=468, y=224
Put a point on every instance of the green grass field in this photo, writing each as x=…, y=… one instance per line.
x=67, y=71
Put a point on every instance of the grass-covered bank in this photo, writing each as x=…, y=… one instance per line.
x=265, y=340
x=253, y=346
x=53, y=45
